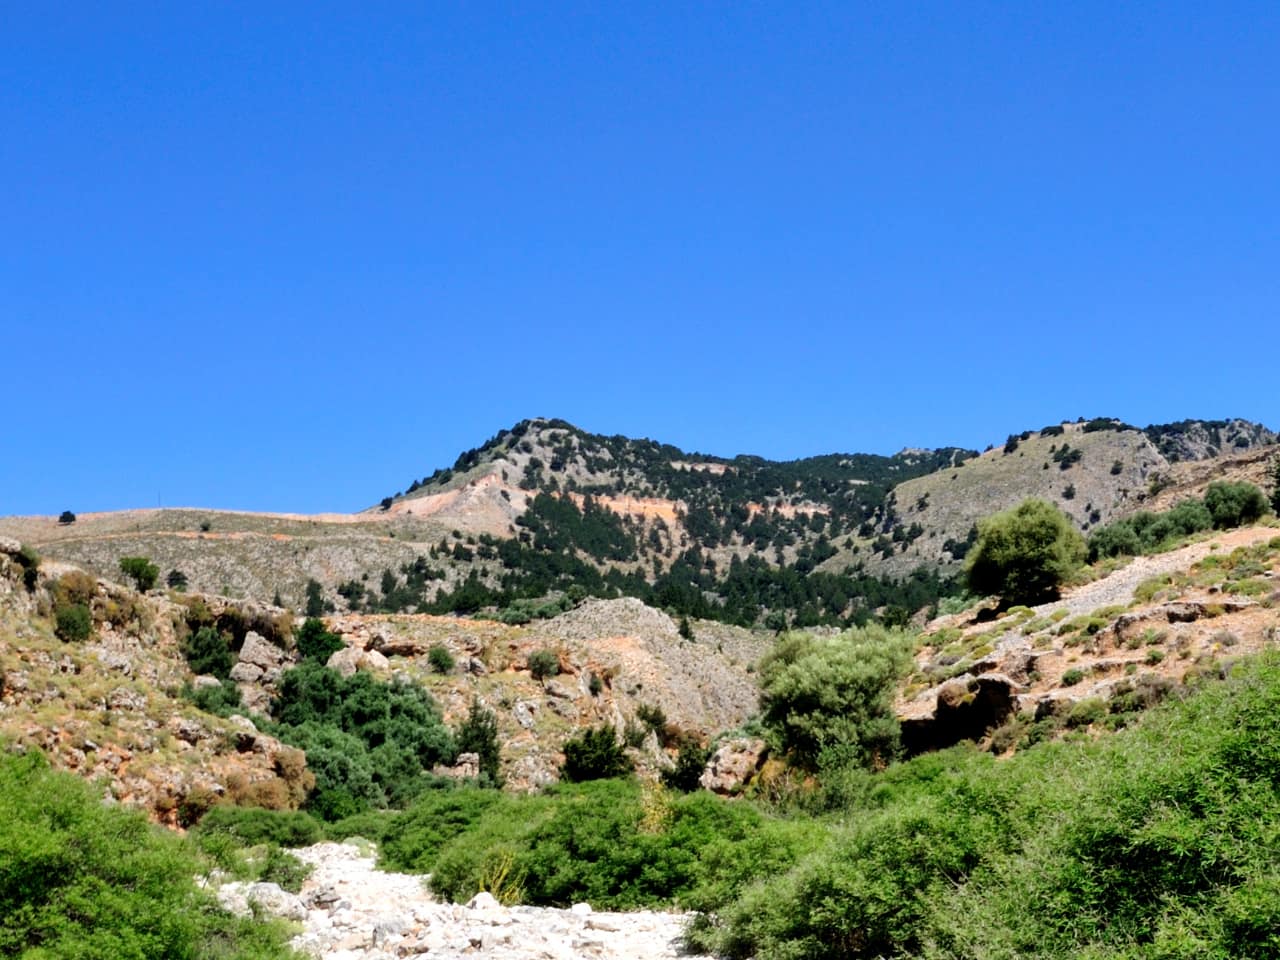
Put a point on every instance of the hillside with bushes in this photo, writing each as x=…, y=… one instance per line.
x=545, y=508
x=777, y=748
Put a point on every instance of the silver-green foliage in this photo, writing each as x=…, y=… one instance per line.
x=830, y=699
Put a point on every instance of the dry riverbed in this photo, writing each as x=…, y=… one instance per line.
x=351, y=911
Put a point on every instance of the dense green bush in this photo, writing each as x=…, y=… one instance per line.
x=691, y=761
x=830, y=699
x=1234, y=504
x=141, y=571
x=1145, y=532
x=437, y=817
x=207, y=652
x=612, y=843
x=72, y=622
x=478, y=734
x=1118, y=539
x=369, y=744
x=440, y=659
x=29, y=560
x=1117, y=849
x=315, y=642
x=1024, y=554
x=253, y=825
x=222, y=700
x=81, y=879
x=594, y=754
x=543, y=664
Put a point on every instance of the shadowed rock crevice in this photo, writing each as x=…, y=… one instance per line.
x=965, y=709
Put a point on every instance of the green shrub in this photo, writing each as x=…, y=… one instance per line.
x=1189, y=516
x=1024, y=554
x=1118, y=849
x=1073, y=676
x=1117, y=539
x=598, y=842
x=141, y=571
x=543, y=664
x=416, y=836
x=72, y=622
x=1234, y=504
x=207, y=652
x=373, y=825
x=1086, y=712
x=478, y=734
x=368, y=743
x=81, y=879
x=691, y=762
x=315, y=642
x=440, y=659
x=222, y=700
x=835, y=693
x=283, y=868
x=29, y=560
x=254, y=825
x=594, y=754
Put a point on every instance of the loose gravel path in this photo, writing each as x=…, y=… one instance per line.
x=1117, y=588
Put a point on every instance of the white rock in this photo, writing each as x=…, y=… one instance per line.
x=259, y=652
x=483, y=901
x=271, y=898
x=244, y=672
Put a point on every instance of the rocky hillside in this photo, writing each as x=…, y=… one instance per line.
x=543, y=508
x=1105, y=650
x=110, y=707
x=110, y=703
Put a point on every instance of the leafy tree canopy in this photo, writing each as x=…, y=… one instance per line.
x=830, y=699
x=1025, y=554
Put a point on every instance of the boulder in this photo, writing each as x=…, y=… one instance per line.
x=554, y=688
x=257, y=651
x=244, y=672
x=523, y=711
x=345, y=661
x=124, y=698
x=965, y=708
x=733, y=765
x=187, y=730
x=350, y=659
x=467, y=767
x=271, y=898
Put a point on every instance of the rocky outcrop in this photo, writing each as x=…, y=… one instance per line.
x=350, y=659
x=1177, y=611
x=734, y=765
x=257, y=670
x=964, y=708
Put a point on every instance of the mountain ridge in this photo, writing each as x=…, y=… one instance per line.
x=544, y=506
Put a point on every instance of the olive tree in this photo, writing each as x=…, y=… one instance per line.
x=1025, y=554
x=830, y=699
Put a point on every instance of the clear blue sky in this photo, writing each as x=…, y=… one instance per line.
x=291, y=256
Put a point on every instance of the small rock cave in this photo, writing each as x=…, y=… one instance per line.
x=966, y=710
